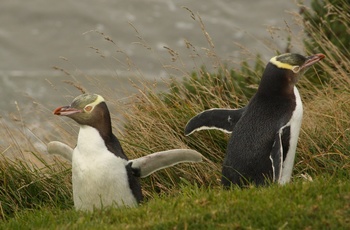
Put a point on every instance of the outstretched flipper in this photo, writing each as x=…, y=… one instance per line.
x=221, y=119
x=146, y=165
x=59, y=148
x=143, y=166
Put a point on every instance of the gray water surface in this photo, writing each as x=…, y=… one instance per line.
x=105, y=45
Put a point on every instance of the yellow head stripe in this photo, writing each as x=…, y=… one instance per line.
x=98, y=100
x=281, y=65
x=90, y=107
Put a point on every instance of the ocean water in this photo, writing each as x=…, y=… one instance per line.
x=107, y=46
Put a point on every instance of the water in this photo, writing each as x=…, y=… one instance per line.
x=37, y=35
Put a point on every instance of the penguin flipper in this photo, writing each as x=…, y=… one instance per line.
x=276, y=156
x=144, y=166
x=221, y=119
x=59, y=148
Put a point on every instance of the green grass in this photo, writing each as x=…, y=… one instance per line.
x=24, y=186
x=321, y=204
x=189, y=196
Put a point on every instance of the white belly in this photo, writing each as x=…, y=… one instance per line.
x=295, y=124
x=99, y=177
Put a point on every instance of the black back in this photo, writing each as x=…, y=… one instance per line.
x=248, y=152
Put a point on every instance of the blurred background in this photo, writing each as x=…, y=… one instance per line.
x=107, y=45
x=37, y=35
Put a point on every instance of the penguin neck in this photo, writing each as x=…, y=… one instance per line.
x=89, y=140
x=104, y=126
x=276, y=82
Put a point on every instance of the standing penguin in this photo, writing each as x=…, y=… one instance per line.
x=102, y=175
x=265, y=132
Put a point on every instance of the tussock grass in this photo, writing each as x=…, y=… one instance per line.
x=155, y=121
x=324, y=141
x=26, y=186
x=29, y=179
x=323, y=145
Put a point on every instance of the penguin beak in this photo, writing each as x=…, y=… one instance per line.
x=312, y=60
x=66, y=111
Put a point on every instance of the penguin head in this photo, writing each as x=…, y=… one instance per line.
x=86, y=109
x=283, y=72
x=294, y=64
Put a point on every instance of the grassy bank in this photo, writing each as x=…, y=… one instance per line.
x=189, y=195
x=322, y=204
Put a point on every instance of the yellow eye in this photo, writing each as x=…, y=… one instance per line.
x=296, y=69
x=88, y=108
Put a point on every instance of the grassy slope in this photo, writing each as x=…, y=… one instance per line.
x=322, y=204
x=31, y=199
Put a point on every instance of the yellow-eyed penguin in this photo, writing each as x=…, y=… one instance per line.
x=265, y=132
x=102, y=175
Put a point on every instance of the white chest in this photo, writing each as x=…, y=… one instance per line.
x=99, y=177
x=295, y=124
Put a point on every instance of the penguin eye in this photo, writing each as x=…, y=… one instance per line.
x=296, y=69
x=88, y=108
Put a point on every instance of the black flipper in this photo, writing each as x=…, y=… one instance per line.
x=222, y=119
x=276, y=155
x=134, y=183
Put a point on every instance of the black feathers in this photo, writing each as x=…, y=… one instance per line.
x=265, y=132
